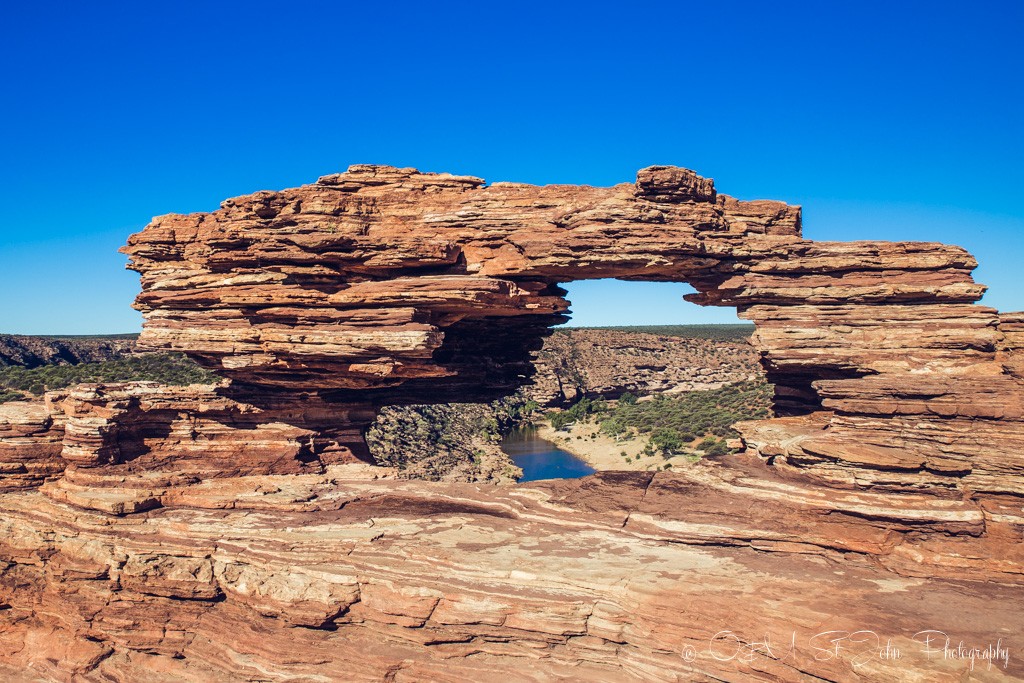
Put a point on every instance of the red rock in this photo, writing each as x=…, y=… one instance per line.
x=31, y=439
x=232, y=533
x=611, y=577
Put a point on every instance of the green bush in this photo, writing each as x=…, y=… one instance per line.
x=560, y=420
x=718, y=449
x=668, y=441
x=674, y=421
x=167, y=368
x=708, y=442
x=613, y=427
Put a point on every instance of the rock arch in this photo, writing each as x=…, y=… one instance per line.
x=387, y=285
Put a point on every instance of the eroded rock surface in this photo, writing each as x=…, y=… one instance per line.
x=617, y=577
x=235, y=533
x=408, y=287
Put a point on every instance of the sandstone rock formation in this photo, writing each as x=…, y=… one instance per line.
x=452, y=442
x=232, y=532
x=618, y=577
x=402, y=286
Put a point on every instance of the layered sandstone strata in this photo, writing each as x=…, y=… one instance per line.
x=397, y=286
x=31, y=441
x=232, y=533
x=716, y=574
x=384, y=277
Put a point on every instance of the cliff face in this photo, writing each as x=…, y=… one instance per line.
x=575, y=363
x=237, y=531
x=30, y=352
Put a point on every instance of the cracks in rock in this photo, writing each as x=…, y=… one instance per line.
x=643, y=496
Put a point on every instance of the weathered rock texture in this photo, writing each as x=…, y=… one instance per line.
x=232, y=533
x=619, y=577
x=417, y=287
x=384, y=277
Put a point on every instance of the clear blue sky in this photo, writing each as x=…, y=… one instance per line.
x=891, y=120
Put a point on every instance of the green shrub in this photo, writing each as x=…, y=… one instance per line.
x=167, y=368
x=674, y=421
x=668, y=441
x=6, y=396
x=708, y=442
x=560, y=420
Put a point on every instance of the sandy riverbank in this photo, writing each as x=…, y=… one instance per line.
x=603, y=452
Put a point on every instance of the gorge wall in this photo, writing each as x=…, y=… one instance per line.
x=33, y=351
x=237, y=531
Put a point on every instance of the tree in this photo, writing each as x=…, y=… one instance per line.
x=668, y=441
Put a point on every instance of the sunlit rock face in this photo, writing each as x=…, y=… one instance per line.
x=394, y=286
x=236, y=533
x=379, y=277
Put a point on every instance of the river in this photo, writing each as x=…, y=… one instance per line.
x=541, y=459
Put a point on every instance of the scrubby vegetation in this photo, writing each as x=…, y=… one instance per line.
x=451, y=441
x=176, y=369
x=77, y=337
x=718, y=332
x=10, y=396
x=674, y=424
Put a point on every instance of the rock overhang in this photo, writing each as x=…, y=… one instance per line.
x=357, y=279
x=391, y=285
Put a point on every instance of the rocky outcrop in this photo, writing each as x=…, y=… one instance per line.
x=579, y=362
x=31, y=441
x=719, y=574
x=453, y=442
x=234, y=532
x=30, y=352
x=396, y=286
x=425, y=283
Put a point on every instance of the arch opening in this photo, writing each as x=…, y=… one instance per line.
x=638, y=378
x=612, y=302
